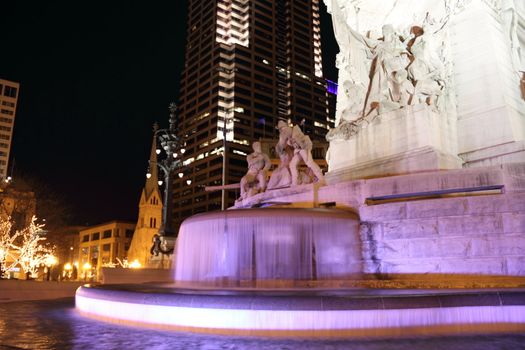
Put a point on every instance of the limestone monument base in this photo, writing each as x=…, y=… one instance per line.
x=408, y=140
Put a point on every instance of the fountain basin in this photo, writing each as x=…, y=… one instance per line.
x=311, y=313
x=247, y=246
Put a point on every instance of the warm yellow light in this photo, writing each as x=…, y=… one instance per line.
x=51, y=260
x=135, y=264
x=87, y=266
x=68, y=267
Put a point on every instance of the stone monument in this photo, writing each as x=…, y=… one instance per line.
x=427, y=85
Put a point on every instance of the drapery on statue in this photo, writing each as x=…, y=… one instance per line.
x=302, y=150
x=255, y=179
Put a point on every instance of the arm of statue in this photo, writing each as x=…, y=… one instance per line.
x=359, y=38
x=267, y=163
x=250, y=158
x=344, y=33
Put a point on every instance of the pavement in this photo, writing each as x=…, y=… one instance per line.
x=22, y=290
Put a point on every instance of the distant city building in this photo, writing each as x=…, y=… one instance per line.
x=103, y=244
x=150, y=216
x=8, y=99
x=66, y=243
x=248, y=64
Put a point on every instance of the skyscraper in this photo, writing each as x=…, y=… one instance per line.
x=8, y=99
x=248, y=64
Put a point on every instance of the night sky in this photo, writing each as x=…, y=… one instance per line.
x=94, y=78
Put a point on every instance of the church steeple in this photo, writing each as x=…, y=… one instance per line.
x=150, y=212
x=152, y=180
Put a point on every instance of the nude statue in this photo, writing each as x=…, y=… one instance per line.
x=255, y=179
x=302, y=150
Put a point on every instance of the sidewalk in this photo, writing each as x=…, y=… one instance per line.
x=21, y=290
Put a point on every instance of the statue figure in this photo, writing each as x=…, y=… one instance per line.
x=426, y=69
x=281, y=176
x=352, y=57
x=355, y=95
x=302, y=150
x=389, y=56
x=255, y=179
x=353, y=62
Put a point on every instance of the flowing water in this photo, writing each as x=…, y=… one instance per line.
x=56, y=325
x=269, y=244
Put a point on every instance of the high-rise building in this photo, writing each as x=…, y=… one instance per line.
x=8, y=99
x=248, y=64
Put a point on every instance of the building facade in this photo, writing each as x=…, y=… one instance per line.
x=101, y=245
x=249, y=63
x=8, y=99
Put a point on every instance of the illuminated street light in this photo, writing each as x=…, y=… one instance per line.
x=86, y=267
x=173, y=145
x=51, y=260
x=135, y=264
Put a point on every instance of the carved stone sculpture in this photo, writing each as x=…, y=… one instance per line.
x=255, y=179
x=302, y=151
x=400, y=68
x=281, y=176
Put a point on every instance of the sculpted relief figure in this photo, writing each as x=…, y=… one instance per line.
x=398, y=69
x=426, y=69
x=510, y=17
x=353, y=62
x=255, y=179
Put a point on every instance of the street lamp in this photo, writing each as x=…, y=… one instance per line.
x=87, y=269
x=173, y=146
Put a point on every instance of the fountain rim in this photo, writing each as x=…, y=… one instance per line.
x=334, y=213
x=308, y=316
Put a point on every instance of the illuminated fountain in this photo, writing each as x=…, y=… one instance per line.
x=427, y=173
x=291, y=272
x=251, y=246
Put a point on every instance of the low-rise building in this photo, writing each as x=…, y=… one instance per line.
x=102, y=245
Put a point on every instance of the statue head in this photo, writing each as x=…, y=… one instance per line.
x=417, y=30
x=257, y=146
x=388, y=30
x=281, y=124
